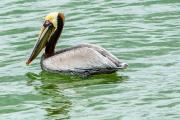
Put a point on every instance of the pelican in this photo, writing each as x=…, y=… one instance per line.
x=83, y=59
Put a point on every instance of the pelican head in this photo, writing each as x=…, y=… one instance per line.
x=48, y=36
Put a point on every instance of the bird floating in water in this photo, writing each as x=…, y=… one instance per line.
x=83, y=59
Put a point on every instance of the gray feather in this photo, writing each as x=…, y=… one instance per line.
x=82, y=59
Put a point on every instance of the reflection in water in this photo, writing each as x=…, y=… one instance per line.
x=52, y=85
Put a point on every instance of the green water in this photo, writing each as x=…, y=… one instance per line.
x=143, y=33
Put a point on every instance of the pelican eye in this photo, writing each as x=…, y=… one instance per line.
x=47, y=23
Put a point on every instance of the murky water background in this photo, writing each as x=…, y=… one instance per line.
x=143, y=33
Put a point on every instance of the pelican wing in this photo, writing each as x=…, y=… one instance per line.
x=105, y=53
x=81, y=57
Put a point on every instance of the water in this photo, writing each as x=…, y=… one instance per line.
x=143, y=33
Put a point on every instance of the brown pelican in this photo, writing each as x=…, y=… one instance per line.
x=83, y=59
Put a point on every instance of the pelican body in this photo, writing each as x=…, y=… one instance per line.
x=83, y=59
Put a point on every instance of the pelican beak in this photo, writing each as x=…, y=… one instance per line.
x=45, y=34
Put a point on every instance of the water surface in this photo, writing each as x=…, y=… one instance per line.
x=143, y=33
